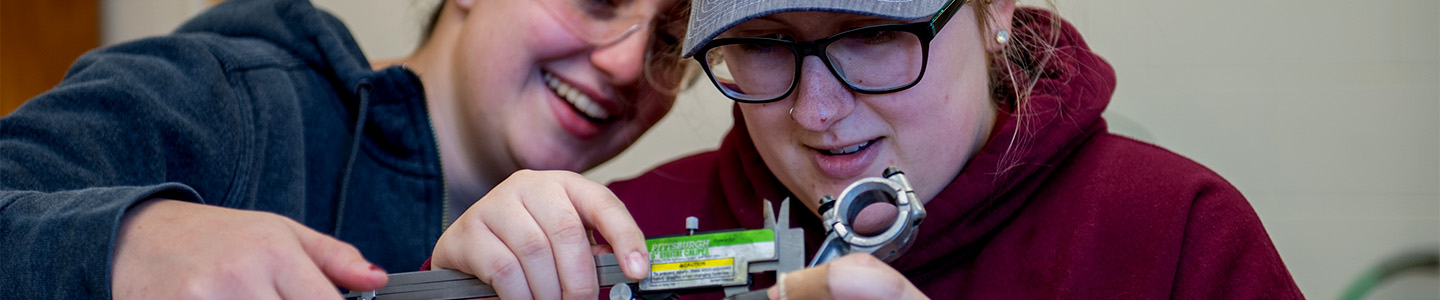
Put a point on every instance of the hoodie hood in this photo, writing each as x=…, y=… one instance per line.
x=387, y=105
x=315, y=37
x=386, y=109
x=1072, y=87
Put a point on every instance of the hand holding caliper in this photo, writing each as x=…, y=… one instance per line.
x=724, y=259
x=704, y=260
x=528, y=237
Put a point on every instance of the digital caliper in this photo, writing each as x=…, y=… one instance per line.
x=722, y=259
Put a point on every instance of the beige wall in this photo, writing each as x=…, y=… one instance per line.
x=1326, y=114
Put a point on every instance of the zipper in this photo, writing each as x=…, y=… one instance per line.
x=435, y=141
x=444, y=186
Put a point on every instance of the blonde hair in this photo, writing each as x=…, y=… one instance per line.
x=1014, y=71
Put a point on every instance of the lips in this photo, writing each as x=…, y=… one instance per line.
x=847, y=161
x=576, y=110
x=578, y=100
x=848, y=150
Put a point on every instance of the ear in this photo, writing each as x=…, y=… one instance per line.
x=463, y=5
x=1001, y=13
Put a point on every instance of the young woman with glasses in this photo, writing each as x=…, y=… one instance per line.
x=232, y=158
x=993, y=113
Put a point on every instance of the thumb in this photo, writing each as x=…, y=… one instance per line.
x=812, y=283
x=340, y=261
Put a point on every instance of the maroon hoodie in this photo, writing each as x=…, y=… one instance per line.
x=1061, y=209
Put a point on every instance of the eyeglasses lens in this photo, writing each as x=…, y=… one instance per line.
x=752, y=71
x=879, y=60
x=600, y=22
x=759, y=71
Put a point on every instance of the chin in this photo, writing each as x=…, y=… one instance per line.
x=575, y=160
x=548, y=158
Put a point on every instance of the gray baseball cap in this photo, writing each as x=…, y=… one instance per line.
x=709, y=18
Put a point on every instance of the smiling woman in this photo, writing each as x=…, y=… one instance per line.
x=256, y=152
x=569, y=92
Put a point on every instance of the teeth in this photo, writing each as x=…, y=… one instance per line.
x=576, y=98
x=849, y=150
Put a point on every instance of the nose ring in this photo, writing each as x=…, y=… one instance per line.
x=792, y=113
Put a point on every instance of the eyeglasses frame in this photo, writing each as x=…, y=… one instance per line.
x=925, y=31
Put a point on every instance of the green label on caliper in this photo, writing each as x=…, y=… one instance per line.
x=709, y=259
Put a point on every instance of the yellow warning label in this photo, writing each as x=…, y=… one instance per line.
x=686, y=265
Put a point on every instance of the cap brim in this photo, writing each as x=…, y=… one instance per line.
x=709, y=18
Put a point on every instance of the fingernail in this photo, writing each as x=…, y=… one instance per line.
x=777, y=292
x=375, y=268
x=639, y=264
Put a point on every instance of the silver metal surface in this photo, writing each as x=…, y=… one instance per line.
x=751, y=295
x=451, y=284
x=838, y=217
x=621, y=292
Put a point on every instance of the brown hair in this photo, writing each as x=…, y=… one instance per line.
x=665, y=70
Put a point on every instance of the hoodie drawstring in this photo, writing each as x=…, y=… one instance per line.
x=363, y=90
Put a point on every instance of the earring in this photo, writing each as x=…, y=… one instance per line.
x=1002, y=37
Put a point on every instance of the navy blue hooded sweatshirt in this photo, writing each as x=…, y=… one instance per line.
x=255, y=104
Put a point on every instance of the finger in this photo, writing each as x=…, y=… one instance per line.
x=301, y=279
x=489, y=259
x=804, y=284
x=260, y=295
x=862, y=276
x=571, y=244
x=339, y=261
x=601, y=210
x=522, y=234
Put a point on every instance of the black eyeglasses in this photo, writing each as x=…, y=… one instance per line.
x=872, y=60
